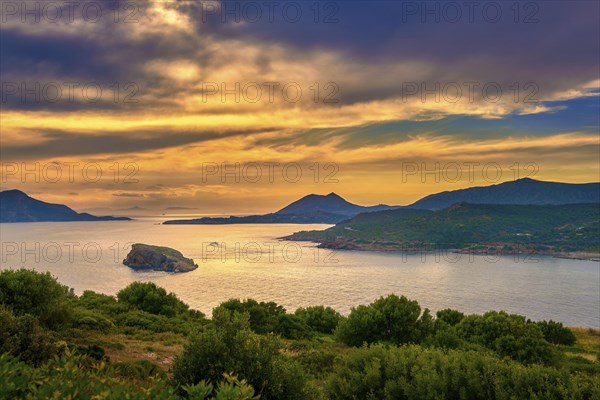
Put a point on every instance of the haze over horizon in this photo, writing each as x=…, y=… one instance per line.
x=377, y=120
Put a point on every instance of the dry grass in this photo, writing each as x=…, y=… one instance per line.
x=588, y=338
x=134, y=350
x=160, y=349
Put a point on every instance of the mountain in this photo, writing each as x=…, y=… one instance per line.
x=311, y=209
x=536, y=228
x=522, y=191
x=332, y=203
x=16, y=206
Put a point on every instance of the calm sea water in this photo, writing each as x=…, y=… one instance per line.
x=247, y=261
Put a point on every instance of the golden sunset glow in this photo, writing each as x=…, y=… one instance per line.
x=190, y=95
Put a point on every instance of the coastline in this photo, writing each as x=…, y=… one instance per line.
x=504, y=249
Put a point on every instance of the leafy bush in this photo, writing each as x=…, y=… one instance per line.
x=90, y=320
x=263, y=317
x=291, y=326
x=392, y=319
x=229, y=388
x=449, y=316
x=320, y=319
x=151, y=322
x=139, y=369
x=555, y=332
x=39, y=294
x=413, y=372
x=101, y=302
x=317, y=362
x=70, y=377
x=23, y=337
x=230, y=345
x=509, y=335
x=148, y=297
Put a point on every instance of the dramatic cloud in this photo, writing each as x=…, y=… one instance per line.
x=172, y=86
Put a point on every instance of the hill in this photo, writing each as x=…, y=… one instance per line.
x=522, y=191
x=331, y=203
x=536, y=228
x=17, y=206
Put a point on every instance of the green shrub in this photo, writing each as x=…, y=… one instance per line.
x=509, y=335
x=446, y=338
x=449, y=316
x=317, y=362
x=556, y=333
x=72, y=377
x=263, y=317
x=231, y=388
x=101, y=302
x=319, y=319
x=151, y=322
x=229, y=345
x=291, y=326
x=148, y=297
x=91, y=320
x=93, y=351
x=39, y=294
x=23, y=337
x=139, y=369
x=413, y=372
x=391, y=319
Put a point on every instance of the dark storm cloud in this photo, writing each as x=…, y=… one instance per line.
x=557, y=50
x=553, y=43
x=57, y=143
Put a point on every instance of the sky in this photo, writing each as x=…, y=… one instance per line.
x=226, y=107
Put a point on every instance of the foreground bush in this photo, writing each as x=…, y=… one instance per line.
x=72, y=377
x=39, y=294
x=148, y=297
x=509, y=335
x=230, y=345
x=391, y=319
x=319, y=319
x=23, y=337
x=416, y=373
x=555, y=332
x=263, y=317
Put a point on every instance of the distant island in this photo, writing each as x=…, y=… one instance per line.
x=565, y=230
x=17, y=206
x=332, y=208
x=158, y=258
x=311, y=209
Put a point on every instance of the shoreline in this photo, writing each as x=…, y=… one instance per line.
x=491, y=249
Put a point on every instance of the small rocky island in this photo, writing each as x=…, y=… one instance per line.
x=158, y=258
